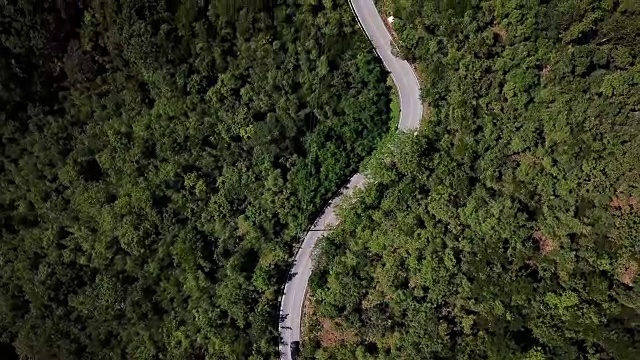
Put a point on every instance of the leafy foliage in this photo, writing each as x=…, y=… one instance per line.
x=508, y=228
x=159, y=161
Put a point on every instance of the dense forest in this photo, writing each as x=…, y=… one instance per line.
x=509, y=227
x=160, y=160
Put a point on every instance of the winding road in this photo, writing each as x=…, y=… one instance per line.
x=410, y=116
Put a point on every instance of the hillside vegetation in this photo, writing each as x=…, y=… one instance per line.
x=508, y=228
x=159, y=162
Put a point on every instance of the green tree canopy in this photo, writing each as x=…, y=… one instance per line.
x=159, y=161
x=508, y=228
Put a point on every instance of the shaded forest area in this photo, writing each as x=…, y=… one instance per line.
x=160, y=160
x=509, y=228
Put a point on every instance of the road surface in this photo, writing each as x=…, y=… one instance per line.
x=401, y=72
x=410, y=116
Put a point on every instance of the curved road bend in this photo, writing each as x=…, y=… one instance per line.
x=410, y=116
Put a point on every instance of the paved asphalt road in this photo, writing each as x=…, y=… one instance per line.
x=401, y=72
x=410, y=116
